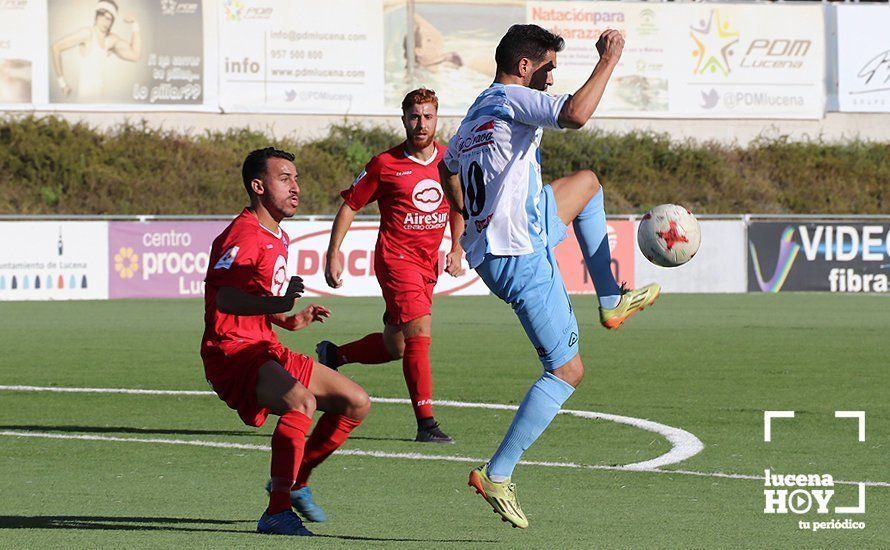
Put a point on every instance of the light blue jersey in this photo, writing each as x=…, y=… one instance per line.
x=513, y=224
x=495, y=151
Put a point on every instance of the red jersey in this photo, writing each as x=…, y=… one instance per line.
x=413, y=209
x=249, y=257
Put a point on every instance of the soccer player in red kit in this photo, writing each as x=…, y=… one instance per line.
x=247, y=291
x=405, y=183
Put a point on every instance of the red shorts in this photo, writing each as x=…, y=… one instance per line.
x=407, y=291
x=233, y=375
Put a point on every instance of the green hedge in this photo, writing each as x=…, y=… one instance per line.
x=50, y=166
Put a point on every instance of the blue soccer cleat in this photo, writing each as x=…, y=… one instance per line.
x=282, y=523
x=327, y=354
x=302, y=500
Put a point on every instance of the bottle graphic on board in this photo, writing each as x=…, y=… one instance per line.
x=61, y=247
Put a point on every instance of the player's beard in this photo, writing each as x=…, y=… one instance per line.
x=422, y=142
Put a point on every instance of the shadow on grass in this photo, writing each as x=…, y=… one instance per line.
x=162, y=431
x=395, y=539
x=113, y=523
x=129, y=430
x=192, y=525
x=372, y=438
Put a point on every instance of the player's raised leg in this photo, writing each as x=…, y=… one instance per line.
x=278, y=391
x=345, y=405
x=371, y=349
x=580, y=201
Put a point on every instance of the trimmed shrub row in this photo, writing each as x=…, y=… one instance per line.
x=51, y=166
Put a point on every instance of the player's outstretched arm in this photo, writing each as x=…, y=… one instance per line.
x=233, y=301
x=333, y=268
x=578, y=109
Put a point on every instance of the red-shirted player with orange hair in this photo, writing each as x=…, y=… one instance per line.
x=247, y=292
x=405, y=183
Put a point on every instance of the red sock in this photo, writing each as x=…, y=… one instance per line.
x=416, y=366
x=330, y=432
x=370, y=350
x=288, y=441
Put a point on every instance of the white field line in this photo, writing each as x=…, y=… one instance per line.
x=404, y=456
x=683, y=444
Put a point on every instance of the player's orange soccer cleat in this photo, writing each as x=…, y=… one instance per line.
x=631, y=302
x=500, y=496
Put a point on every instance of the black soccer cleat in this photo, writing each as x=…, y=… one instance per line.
x=432, y=434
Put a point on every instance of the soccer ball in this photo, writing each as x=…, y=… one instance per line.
x=669, y=235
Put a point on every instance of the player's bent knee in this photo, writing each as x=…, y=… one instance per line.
x=395, y=345
x=572, y=372
x=592, y=182
x=300, y=399
x=359, y=405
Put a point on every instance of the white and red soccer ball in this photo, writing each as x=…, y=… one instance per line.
x=669, y=235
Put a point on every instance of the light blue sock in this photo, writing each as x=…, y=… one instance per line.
x=592, y=234
x=541, y=403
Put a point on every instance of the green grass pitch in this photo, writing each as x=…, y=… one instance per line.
x=707, y=364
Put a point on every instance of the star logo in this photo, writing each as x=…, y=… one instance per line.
x=233, y=9
x=713, y=40
x=672, y=236
x=168, y=7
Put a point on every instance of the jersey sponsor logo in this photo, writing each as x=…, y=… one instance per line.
x=405, y=173
x=476, y=140
x=227, y=259
x=427, y=195
x=417, y=222
x=279, y=276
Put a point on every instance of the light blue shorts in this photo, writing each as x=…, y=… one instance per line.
x=533, y=286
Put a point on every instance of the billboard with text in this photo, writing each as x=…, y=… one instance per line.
x=50, y=260
x=863, y=51
x=827, y=256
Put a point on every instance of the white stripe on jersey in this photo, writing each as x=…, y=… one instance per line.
x=495, y=151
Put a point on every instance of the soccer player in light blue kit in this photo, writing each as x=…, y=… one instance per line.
x=492, y=173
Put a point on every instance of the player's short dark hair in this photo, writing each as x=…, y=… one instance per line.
x=419, y=97
x=255, y=164
x=529, y=41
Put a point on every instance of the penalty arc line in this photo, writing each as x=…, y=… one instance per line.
x=406, y=456
x=684, y=445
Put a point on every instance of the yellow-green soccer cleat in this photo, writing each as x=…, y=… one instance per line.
x=631, y=302
x=501, y=497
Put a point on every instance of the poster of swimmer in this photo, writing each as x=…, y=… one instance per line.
x=452, y=48
x=125, y=52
